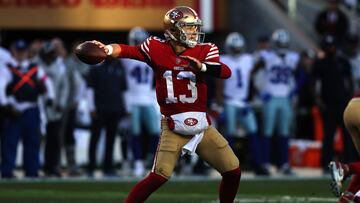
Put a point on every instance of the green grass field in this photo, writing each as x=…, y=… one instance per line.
x=176, y=191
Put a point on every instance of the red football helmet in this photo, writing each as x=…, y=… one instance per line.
x=183, y=25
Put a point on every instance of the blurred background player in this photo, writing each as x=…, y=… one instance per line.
x=77, y=87
x=277, y=93
x=236, y=95
x=55, y=69
x=332, y=21
x=106, y=85
x=305, y=101
x=332, y=80
x=141, y=101
x=21, y=86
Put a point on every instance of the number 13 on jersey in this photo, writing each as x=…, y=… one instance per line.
x=168, y=75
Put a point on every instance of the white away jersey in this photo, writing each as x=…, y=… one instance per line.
x=279, y=72
x=236, y=88
x=140, y=83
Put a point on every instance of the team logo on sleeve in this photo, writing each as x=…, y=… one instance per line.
x=190, y=121
x=176, y=15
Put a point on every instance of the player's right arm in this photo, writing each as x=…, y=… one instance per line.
x=124, y=51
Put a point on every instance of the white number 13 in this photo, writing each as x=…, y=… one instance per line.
x=191, y=86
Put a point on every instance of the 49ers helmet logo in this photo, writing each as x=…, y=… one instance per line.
x=176, y=15
x=190, y=121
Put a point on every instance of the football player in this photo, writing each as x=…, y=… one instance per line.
x=277, y=93
x=181, y=63
x=236, y=94
x=340, y=171
x=141, y=102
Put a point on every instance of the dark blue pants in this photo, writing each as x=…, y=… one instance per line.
x=26, y=127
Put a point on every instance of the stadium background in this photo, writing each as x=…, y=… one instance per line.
x=110, y=20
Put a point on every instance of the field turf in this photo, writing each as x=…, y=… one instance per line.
x=176, y=191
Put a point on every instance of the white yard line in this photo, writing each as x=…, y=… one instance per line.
x=284, y=199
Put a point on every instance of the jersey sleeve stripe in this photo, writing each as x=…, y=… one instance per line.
x=143, y=49
x=146, y=47
x=212, y=56
x=213, y=52
x=213, y=48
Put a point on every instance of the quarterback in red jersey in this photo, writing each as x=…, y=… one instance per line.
x=181, y=63
x=340, y=171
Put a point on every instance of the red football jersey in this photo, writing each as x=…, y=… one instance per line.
x=179, y=88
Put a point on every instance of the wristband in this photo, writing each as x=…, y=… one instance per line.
x=213, y=68
x=203, y=67
x=110, y=49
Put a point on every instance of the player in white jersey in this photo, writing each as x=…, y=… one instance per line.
x=141, y=102
x=235, y=97
x=277, y=93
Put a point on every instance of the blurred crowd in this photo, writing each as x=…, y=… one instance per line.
x=272, y=96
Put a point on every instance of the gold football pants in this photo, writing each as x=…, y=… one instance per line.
x=352, y=121
x=213, y=149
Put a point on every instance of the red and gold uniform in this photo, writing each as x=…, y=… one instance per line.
x=180, y=88
x=180, y=65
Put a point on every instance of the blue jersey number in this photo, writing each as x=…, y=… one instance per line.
x=140, y=74
x=239, y=78
x=280, y=75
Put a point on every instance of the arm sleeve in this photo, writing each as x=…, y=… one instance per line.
x=64, y=90
x=214, y=66
x=89, y=90
x=133, y=52
x=140, y=52
x=50, y=89
x=79, y=85
x=90, y=99
x=48, y=83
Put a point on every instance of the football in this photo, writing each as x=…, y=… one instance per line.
x=90, y=53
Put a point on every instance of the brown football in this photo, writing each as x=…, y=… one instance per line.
x=90, y=53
